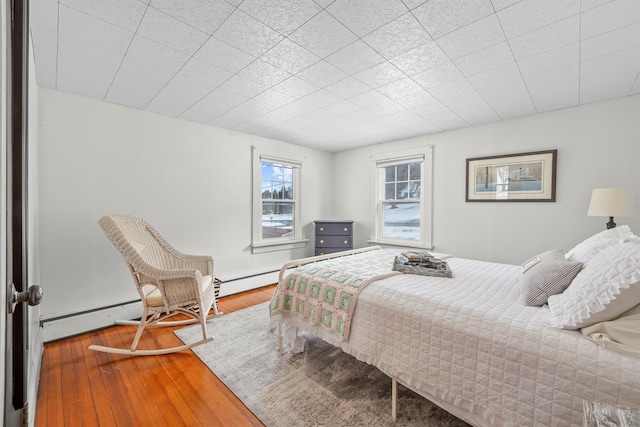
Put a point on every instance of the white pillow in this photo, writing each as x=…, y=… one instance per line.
x=544, y=275
x=606, y=287
x=585, y=250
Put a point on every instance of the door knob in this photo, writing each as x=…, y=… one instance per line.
x=32, y=296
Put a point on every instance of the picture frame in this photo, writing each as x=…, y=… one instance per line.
x=521, y=177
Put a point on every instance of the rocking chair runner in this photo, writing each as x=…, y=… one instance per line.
x=169, y=282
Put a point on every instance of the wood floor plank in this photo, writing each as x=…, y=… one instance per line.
x=84, y=387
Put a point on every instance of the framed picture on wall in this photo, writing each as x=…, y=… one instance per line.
x=522, y=177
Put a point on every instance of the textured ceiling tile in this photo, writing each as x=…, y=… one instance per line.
x=273, y=99
x=441, y=17
x=551, y=60
x=223, y=55
x=501, y=4
x=496, y=77
x=44, y=39
x=46, y=69
x=348, y=87
x=608, y=43
x=555, y=89
x=398, y=37
x=380, y=75
x=205, y=15
x=442, y=115
x=479, y=35
x=610, y=17
x=323, y=35
x=137, y=83
x=44, y=13
x=284, y=16
x=400, y=88
x=156, y=54
x=324, y=3
x=356, y=57
x=82, y=79
x=80, y=25
x=364, y=16
x=485, y=59
x=455, y=89
x=509, y=100
x=246, y=33
x=611, y=74
x=232, y=119
x=548, y=38
x=590, y=4
x=472, y=109
x=295, y=87
x=177, y=96
x=207, y=74
x=263, y=73
x=322, y=74
x=289, y=56
x=321, y=98
x=416, y=99
x=213, y=105
x=529, y=15
x=412, y=4
x=125, y=14
x=420, y=59
x=369, y=99
x=386, y=107
x=438, y=76
x=96, y=56
x=242, y=86
x=171, y=32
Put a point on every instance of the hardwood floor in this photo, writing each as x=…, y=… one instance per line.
x=82, y=387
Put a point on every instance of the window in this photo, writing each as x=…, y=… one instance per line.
x=276, y=201
x=403, y=198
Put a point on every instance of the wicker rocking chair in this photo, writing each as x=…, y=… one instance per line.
x=168, y=281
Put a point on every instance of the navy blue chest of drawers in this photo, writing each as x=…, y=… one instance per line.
x=333, y=236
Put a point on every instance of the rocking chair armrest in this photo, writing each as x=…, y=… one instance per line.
x=203, y=263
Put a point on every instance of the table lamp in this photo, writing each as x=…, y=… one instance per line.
x=612, y=202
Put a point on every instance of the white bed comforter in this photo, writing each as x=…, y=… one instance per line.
x=467, y=344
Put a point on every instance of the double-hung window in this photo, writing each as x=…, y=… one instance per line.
x=276, y=200
x=403, y=198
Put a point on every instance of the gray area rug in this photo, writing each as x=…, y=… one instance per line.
x=321, y=387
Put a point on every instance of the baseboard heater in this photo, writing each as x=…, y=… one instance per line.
x=59, y=327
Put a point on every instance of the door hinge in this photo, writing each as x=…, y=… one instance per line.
x=24, y=415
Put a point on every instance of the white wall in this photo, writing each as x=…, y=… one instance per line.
x=598, y=146
x=191, y=181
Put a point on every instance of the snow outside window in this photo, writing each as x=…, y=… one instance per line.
x=276, y=201
x=403, y=199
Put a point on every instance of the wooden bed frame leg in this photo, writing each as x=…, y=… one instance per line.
x=394, y=398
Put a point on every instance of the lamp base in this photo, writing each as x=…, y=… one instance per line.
x=611, y=224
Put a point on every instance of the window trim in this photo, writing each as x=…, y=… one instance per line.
x=378, y=162
x=258, y=244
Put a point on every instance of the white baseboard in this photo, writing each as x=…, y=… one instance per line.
x=74, y=324
x=235, y=286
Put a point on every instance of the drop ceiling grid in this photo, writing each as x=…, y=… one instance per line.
x=396, y=69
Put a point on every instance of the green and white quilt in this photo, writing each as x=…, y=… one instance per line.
x=325, y=293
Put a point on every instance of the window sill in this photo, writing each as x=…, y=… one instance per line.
x=400, y=244
x=263, y=247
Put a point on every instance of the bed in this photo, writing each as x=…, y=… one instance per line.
x=470, y=343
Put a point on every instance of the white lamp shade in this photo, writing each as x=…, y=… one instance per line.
x=612, y=202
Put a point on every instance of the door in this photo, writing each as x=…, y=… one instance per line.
x=17, y=293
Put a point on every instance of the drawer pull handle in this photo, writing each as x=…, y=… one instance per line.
x=346, y=229
x=321, y=228
x=321, y=241
x=345, y=242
